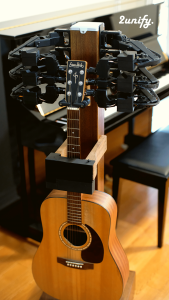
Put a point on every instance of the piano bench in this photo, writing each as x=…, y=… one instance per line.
x=148, y=164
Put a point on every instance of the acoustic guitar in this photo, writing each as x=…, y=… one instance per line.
x=80, y=257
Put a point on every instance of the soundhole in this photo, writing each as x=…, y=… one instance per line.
x=75, y=235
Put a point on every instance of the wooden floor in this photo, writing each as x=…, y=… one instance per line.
x=137, y=231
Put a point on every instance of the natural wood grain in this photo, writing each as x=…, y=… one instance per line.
x=86, y=47
x=62, y=150
x=162, y=206
x=130, y=287
x=128, y=293
x=98, y=152
x=99, y=212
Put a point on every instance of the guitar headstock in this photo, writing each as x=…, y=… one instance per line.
x=75, y=84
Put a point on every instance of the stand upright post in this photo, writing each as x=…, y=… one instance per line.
x=85, y=46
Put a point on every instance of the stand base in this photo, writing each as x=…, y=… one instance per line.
x=127, y=295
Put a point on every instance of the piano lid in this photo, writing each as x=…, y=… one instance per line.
x=141, y=23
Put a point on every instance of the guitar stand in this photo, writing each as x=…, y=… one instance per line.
x=128, y=293
x=93, y=131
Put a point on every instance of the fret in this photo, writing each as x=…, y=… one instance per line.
x=75, y=204
x=74, y=125
x=73, y=145
x=73, y=196
x=76, y=200
x=73, y=217
x=73, y=152
x=70, y=128
x=70, y=199
x=72, y=206
x=75, y=137
x=76, y=216
x=74, y=222
x=72, y=210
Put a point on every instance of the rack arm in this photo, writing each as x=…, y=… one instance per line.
x=62, y=150
x=97, y=152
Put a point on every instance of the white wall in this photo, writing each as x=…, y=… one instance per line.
x=14, y=9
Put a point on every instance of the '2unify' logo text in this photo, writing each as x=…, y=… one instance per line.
x=143, y=22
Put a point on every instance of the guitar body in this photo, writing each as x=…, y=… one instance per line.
x=57, y=266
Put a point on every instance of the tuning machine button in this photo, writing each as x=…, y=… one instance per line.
x=70, y=71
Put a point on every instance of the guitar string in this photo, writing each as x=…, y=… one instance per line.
x=75, y=206
x=78, y=132
x=68, y=156
x=74, y=154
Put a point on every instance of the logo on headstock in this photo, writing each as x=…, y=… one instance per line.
x=75, y=76
x=77, y=65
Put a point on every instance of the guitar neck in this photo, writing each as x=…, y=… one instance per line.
x=73, y=151
x=73, y=133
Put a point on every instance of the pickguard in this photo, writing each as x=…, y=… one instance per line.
x=95, y=252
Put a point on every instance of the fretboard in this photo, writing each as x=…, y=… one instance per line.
x=73, y=151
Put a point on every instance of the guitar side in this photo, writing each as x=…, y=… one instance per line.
x=107, y=279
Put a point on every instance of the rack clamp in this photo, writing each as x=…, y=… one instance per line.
x=74, y=174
